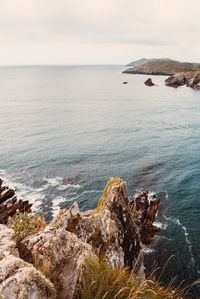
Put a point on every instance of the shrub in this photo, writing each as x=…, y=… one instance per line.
x=25, y=224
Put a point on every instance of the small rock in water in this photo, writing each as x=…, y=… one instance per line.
x=149, y=82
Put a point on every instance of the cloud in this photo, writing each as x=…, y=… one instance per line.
x=41, y=27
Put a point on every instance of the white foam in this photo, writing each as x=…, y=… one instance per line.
x=58, y=182
x=147, y=250
x=150, y=196
x=24, y=192
x=56, y=202
x=160, y=225
x=68, y=186
x=166, y=195
x=189, y=244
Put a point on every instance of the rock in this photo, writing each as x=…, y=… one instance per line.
x=194, y=81
x=58, y=254
x=176, y=80
x=149, y=82
x=190, y=79
x=125, y=82
x=110, y=229
x=9, y=205
x=7, y=242
x=18, y=279
x=144, y=208
x=113, y=231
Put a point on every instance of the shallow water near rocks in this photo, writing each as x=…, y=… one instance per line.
x=66, y=129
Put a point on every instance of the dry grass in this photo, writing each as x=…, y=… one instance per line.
x=100, y=281
x=25, y=224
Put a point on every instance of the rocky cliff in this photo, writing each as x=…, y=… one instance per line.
x=48, y=264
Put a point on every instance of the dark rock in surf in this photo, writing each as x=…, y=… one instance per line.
x=10, y=205
x=149, y=82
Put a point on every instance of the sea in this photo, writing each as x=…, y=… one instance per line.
x=64, y=130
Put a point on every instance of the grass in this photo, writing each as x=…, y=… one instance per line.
x=25, y=224
x=100, y=281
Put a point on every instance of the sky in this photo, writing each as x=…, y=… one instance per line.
x=98, y=31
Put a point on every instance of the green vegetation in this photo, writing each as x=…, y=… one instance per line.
x=25, y=224
x=101, y=281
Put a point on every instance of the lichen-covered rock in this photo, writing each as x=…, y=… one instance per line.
x=20, y=280
x=110, y=229
x=7, y=242
x=58, y=254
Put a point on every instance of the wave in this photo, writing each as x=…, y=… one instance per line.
x=55, y=204
x=33, y=195
x=58, y=183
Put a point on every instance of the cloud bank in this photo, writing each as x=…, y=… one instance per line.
x=97, y=32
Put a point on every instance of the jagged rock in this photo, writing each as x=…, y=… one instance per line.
x=144, y=208
x=190, y=79
x=176, y=80
x=20, y=280
x=113, y=231
x=149, y=82
x=194, y=81
x=58, y=254
x=110, y=228
x=9, y=205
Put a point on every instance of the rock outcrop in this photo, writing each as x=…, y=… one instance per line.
x=18, y=279
x=114, y=232
x=190, y=79
x=10, y=205
x=149, y=82
x=58, y=254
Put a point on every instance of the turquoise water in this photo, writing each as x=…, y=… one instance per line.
x=64, y=130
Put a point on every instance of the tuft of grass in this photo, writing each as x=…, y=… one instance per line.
x=25, y=224
x=98, y=280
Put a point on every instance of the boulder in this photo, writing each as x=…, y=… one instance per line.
x=149, y=82
x=59, y=255
x=176, y=80
x=18, y=279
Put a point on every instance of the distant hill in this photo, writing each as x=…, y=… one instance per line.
x=160, y=66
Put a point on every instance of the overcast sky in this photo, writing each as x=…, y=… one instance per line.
x=98, y=31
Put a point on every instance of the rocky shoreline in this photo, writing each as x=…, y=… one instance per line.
x=189, y=79
x=48, y=264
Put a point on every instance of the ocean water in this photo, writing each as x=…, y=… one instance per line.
x=64, y=130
